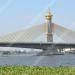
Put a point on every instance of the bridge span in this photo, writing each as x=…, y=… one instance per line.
x=27, y=38
x=43, y=46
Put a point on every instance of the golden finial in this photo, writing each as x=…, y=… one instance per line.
x=48, y=15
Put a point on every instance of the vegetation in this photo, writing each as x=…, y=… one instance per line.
x=36, y=70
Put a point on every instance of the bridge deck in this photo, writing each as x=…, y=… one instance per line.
x=38, y=45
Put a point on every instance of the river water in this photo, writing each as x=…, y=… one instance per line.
x=52, y=60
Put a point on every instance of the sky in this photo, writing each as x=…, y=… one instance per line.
x=19, y=14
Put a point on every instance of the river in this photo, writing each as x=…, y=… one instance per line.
x=52, y=60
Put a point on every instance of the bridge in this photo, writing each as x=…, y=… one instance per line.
x=43, y=46
x=55, y=36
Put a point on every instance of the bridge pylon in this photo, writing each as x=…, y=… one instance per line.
x=48, y=18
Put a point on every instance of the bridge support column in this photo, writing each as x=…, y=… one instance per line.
x=51, y=50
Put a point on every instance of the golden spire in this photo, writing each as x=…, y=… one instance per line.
x=48, y=15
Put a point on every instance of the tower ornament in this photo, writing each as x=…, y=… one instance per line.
x=48, y=15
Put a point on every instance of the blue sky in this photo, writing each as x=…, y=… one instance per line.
x=18, y=14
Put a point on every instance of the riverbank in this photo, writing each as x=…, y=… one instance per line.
x=36, y=70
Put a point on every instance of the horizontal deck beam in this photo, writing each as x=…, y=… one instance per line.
x=38, y=45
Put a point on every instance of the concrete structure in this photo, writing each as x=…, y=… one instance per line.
x=49, y=26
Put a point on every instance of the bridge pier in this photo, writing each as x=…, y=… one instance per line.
x=51, y=50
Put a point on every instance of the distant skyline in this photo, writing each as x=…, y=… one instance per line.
x=18, y=14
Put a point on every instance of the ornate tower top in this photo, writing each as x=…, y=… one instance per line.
x=48, y=15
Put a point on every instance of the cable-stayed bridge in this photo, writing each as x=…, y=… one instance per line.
x=45, y=36
x=26, y=38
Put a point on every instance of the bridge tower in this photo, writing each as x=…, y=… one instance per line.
x=48, y=18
